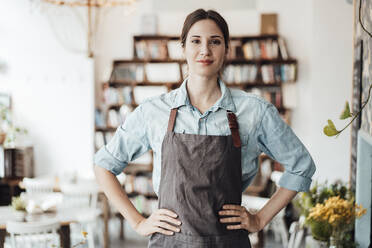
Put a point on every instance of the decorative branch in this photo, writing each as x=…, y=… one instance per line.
x=330, y=129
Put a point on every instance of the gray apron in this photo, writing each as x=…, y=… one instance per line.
x=200, y=174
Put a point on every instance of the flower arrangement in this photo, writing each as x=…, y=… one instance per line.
x=8, y=132
x=338, y=213
x=18, y=204
x=310, y=203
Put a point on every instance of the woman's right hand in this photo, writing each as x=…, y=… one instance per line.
x=157, y=222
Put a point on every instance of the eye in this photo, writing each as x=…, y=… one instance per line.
x=215, y=42
x=195, y=41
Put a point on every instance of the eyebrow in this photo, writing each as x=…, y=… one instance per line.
x=212, y=36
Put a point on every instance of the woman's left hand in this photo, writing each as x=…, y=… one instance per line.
x=240, y=215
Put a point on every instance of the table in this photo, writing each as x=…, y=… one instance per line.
x=65, y=216
x=105, y=212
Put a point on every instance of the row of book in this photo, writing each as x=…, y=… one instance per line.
x=151, y=72
x=249, y=73
x=278, y=73
x=240, y=73
x=129, y=96
x=144, y=205
x=273, y=95
x=170, y=72
x=128, y=72
x=158, y=49
x=141, y=184
x=263, y=49
x=112, y=96
x=102, y=138
x=253, y=49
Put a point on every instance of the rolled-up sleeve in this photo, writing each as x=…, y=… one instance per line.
x=277, y=140
x=129, y=142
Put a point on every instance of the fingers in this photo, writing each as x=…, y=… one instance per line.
x=230, y=212
x=231, y=220
x=234, y=227
x=167, y=226
x=233, y=207
x=166, y=218
x=162, y=231
x=239, y=216
x=162, y=218
x=166, y=212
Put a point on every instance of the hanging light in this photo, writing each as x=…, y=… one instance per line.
x=60, y=20
x=91, y=3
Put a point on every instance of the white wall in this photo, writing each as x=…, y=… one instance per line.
x=51, y=89
x=319, y=35
x=331, y=82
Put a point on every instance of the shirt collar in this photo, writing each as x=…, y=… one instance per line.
x=181, y=98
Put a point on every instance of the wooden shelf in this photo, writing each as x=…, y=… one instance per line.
x=106, y=129
x=258, y=84
x=133, y=168
x=228, y=61
x=122, y=83
x=148, y=196
x=175, y=37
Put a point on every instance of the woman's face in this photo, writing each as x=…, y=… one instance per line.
x=204, y=48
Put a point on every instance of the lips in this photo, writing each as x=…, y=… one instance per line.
x=205, y=61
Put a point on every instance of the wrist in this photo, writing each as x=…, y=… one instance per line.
x=261, y=222
x=136, y=222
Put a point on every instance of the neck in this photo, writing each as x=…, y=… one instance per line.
x=203, y=92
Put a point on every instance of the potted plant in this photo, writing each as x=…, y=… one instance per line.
x=8, y=132
x=339, y=215
x=321, y=230
x=19, y=207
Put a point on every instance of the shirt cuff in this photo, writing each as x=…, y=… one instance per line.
x=104, y=159
x=295, y=182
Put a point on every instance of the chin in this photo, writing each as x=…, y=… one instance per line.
x=206, y=73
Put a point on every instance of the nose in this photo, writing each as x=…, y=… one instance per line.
x=204, y=49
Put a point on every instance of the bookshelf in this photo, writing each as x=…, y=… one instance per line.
x=257, y=64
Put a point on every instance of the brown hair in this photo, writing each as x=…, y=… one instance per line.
x=201, y=14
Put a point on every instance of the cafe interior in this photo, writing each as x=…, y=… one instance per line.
x=72, y=71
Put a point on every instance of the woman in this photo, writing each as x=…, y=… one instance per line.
x=206, y=140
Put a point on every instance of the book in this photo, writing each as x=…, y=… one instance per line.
x=99, y=118
x=113, y=119
x=175, y=49
x=141, y=93
x=283, y=48
x=141, y=49
x=263, y=50
x=248, y=50
x=99, y=140
x=275, y=49
x=163, y=72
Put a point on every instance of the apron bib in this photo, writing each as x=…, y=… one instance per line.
x=200, y=174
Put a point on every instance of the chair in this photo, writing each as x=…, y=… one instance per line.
x=33, y=234
x=297, y=233
x=38, y=185
x=83, y=195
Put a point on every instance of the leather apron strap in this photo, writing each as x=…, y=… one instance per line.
x=231, y=117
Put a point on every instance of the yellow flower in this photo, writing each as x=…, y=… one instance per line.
x=84, y=234
x=336, y=211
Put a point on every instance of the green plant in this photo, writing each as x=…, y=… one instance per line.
x=330, y=129
x=18, y=204
x=318, y=194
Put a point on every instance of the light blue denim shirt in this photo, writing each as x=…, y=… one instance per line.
x=260, y=126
